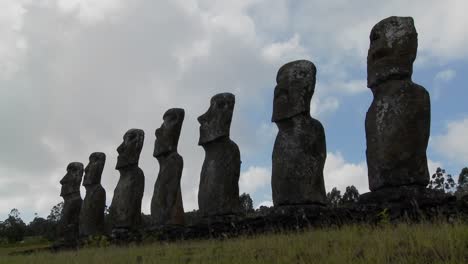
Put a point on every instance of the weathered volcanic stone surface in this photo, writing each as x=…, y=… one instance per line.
x=218, y=192
x=69, y=222
x=125, y=210
x=300, y=151
x=166, y=205
x=398, y=120
x=92, y=210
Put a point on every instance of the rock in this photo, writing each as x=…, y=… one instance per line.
x=404, y=194
x=299, y=152
x=166, y=205
x=92, y=210
x=218, y=192
x=125, y=210
x=69, y=222
x=398, y=120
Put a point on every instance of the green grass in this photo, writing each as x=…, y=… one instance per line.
x=403, y=243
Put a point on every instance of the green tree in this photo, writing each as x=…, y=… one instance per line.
x=53, y=222
x=442, y=181
x=463, y=178
x=334, y=197
x=13, y=227
x=351, y=195
x=55, y=213
x=37, y=227
x=246, y=203
x=462, y=188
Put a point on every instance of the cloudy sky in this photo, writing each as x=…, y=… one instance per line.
x=75, y=75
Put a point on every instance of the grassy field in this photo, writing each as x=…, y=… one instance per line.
x=403, y=243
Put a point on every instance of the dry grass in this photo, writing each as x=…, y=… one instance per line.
x=403, y=243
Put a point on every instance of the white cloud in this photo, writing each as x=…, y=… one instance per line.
x=254, y=178
x=265, y=203
x=445, y=75
x=352, y=86
x=281, y=52
x=90, y=11
x=440, y=81
x=13, y=46
x=76, y=74
x=320, y=107
x=433, y=165
x=453, y=144
x=340, y=173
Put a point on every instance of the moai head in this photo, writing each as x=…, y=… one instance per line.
x=216, y=122
x=392, y=51
x=293, y=92
x=130, y=149
x=167, y=136
x=94, y=169
x=72, y=180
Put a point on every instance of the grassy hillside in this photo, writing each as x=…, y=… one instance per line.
x=403, y=243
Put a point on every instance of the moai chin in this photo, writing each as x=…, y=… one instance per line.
x=92, y=210
x=218, y=192
x=166, y=205
x=299, y=151
x=398, y=120
x=125, y=210
x=70, y=191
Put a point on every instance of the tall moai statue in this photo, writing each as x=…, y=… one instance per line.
x=398, y=120
x=69, y=222
x=92, y=210
x=166, y=205
x=125, y=210
x=218, y=192
x=300, y=151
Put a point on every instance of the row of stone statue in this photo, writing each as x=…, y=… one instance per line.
x=397, y=132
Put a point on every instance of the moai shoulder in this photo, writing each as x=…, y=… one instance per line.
x=398, y=120
x=125, y=210
x=299, y=152
x=166, y=204
x=70, y=191
x=92, y=210
x=218, y=192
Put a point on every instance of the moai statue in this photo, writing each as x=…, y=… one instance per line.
x=218, y=192
x=166, y=205
x=398, y=120
x=92, y=210
x=125, y=210
x=300, y=151
x=69, y=222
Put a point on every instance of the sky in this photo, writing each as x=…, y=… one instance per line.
x=75, y=75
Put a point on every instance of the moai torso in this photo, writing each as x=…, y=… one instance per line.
x=299, y=152
x=69, y=222
x=125, y=210
x=398, y=120
x=92, y=210
x=166, y=205
x=218, y=192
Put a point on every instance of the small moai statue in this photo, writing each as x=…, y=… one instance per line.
x=94, y=204
x=398, y=120
x=125, y=210
x=166, y=205
x=299, y=151
x=218, y=192
x=69, y=222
